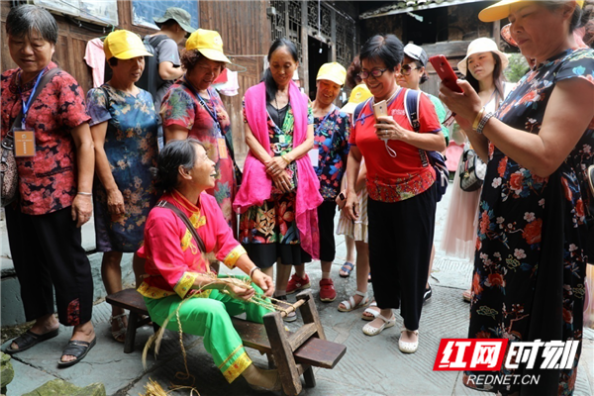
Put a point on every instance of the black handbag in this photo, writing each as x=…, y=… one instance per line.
x=472, y=171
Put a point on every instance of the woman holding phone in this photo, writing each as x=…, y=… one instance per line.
x=483, y=67
x=401, y=187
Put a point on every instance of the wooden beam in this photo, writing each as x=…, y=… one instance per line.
x=304, y=47
x=333, y=30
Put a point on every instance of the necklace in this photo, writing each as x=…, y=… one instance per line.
x=392, y=96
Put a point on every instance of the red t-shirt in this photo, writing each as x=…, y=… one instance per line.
x=395, y=179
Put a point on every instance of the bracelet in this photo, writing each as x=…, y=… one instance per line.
x=483, y=123
x=252, y=271
x=478, y=119
x=84, y=193
x=286, y=159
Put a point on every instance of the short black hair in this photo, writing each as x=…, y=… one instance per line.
x=22, y=20
x=176, y=153
x=576, y=17
x=113, y=61
x=385, y=48
x=269, y=82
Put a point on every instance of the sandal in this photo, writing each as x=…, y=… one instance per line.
x=467, y=295
x=350, y=304
x=261, y=389
x=30, y=339
x=369, y=330
x=78, y=349
x=408, y=347
x=119, y=335
x=346, y=269
x=371, y=312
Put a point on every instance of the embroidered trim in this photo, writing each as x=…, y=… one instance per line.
x=153, y=292
x=184, y=284
x=233, y=256
x=242, y=362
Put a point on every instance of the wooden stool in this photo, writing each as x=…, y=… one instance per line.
x=293, y=354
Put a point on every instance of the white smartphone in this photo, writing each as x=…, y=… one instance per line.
x=380, y=109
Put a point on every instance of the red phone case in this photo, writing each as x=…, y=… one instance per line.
x=445, y=72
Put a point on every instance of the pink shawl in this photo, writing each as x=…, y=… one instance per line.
x=257, y=185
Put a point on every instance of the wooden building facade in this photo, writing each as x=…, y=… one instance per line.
x=321, y=31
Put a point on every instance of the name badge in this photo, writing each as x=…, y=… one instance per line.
x=222, y=148
x=314, y=156
x=24, y=143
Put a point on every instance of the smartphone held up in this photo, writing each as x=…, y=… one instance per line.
x=445, y=72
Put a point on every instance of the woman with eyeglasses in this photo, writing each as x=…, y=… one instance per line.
x=483, y=67
x=401, y=187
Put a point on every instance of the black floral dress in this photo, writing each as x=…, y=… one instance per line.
x=530, y=260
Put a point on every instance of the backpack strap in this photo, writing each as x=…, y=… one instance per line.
x=358, y=110
x=411, y=106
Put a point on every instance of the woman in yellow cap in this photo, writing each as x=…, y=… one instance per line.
x=530, y=261
x=330, y=152
x=192, y=109
x=124, y=128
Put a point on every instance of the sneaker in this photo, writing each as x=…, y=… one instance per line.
x=427, y=295
x=327, y=290
x=297, y=283
x=292, y=316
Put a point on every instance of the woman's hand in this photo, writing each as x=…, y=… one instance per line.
x=240, y=292
x=341, y=199
x=82, y=208
x=264, y=282
x=352, y=212
x=387, y=128
x=115, y=202
x=275, y=166
x=466, y=105
x=283, y=182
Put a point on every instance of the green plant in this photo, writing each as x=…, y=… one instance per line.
x=518, y=66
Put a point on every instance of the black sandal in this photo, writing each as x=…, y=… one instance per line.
x=30, y=339
x=78, y=349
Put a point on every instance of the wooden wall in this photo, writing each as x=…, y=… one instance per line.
x=72, y=42
x=245, y=30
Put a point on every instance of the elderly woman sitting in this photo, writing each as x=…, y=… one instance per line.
x=178, y=272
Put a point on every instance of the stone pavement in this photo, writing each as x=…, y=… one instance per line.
x=372, y=366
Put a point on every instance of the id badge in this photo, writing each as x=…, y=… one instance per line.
x=222, y=148
x=24, y=143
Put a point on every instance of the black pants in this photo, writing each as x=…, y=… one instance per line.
x=326, y=213
x=400, y=241
x=46, y=250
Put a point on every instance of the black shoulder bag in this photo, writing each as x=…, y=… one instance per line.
x=187, y=222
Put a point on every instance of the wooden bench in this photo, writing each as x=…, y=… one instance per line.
x=292, y=353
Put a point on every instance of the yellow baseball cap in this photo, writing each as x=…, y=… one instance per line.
x=359, y=94
x=123, y=44
x=209, y=43
x=332, y=71
x=501, y=9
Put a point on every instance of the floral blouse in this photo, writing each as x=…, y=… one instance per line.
x=332, y=140
x=47, y=181
x=181, y=107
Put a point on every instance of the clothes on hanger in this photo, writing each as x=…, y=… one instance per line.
x=95, y=58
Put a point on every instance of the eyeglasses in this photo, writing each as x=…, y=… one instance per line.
x=406, y=69
x=376, y=73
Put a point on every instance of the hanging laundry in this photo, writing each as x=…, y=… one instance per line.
x=231, y=87
x=95, y=58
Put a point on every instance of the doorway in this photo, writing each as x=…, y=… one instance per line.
x=318, y=54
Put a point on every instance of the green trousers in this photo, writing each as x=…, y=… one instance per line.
x=210, y=317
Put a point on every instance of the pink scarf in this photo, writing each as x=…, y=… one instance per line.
x=257, y=185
